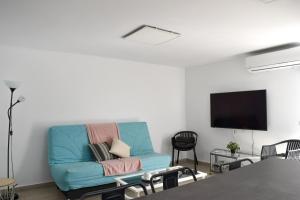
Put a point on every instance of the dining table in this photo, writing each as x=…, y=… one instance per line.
x=270, y=179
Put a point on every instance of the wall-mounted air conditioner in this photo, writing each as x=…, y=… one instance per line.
x=283, y=59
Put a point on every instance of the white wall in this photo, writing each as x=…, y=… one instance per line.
x=283, y=104
x=63, y=88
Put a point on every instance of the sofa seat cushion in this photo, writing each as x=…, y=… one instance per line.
x=70, y=176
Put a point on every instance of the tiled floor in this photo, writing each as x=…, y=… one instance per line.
x=50, y=192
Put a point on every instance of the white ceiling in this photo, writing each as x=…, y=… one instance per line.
x=210, y=30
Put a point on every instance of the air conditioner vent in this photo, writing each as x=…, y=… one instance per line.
x=284, y=59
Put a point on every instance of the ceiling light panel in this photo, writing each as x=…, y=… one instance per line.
x=151, y=35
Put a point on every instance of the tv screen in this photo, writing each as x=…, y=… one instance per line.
x=239, y=110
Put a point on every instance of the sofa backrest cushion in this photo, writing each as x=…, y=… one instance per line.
x=136, y=135
x=68, y=144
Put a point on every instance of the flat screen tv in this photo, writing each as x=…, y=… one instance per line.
x=239, y=110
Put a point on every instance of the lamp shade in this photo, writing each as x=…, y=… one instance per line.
x=12, y=84
x=21, y=99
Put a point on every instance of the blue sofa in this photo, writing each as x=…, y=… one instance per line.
x=73, y=166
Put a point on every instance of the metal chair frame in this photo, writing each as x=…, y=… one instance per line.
x=293, y=144
x=170, y=178
x=116, y=193
x=185, y=134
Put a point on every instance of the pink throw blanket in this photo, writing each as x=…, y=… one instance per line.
x=121, y=166
x=107, y=132
x=100, y=133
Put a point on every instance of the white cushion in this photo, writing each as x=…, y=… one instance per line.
x=120, y=149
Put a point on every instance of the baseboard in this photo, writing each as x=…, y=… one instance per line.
x=184, y=160
x=35, y=186
x=191, y=160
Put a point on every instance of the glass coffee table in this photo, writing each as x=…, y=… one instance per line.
x=221, y=156
x=136, y=191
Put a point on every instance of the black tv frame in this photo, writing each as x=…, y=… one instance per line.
x=265, y=128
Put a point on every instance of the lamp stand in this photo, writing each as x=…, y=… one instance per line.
x=10, y=134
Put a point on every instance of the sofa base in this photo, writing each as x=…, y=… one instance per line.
x=76, y=194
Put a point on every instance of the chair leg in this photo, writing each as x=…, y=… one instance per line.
x=178, y=157
x=196, y=156
x=173, y=151
x=195, y=160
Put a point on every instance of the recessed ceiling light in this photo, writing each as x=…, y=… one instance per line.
x=151, y=35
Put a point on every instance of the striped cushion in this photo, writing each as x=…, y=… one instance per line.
x=101, y=151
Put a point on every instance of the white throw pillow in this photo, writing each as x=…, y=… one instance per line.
x=120, y=149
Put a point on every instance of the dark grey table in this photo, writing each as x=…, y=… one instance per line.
x=272, y=179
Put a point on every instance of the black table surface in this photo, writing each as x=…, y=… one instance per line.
x=271, y=179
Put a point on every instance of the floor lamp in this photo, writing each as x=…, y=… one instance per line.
x=12, y=85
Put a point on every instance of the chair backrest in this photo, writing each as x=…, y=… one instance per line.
x=187, y=135
x=235, y=164
x=170, y=178
x=185, y=140
x=292, y=145
x=293, y=155
x=116, y=193
x=268, y=151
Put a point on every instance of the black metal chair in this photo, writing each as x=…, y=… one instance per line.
x=268, y=151
x=185, y=141
x=294, y=155
x=170, y=178
x=116, y=193
x=235, y=164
